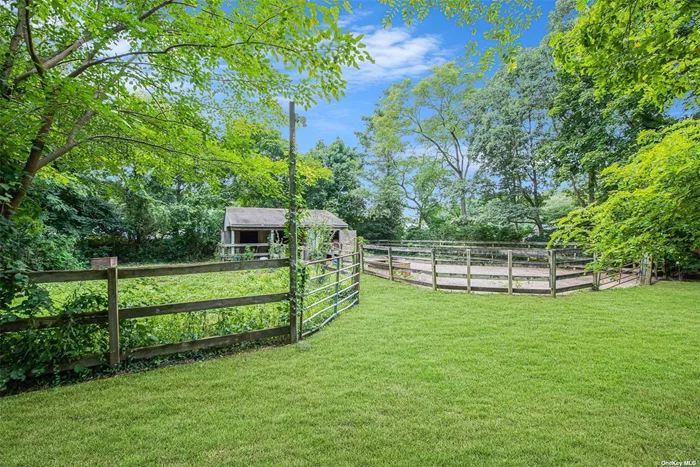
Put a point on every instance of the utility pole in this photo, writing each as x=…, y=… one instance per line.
x=293, y=221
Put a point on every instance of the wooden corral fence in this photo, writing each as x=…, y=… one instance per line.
x=114, y=315
x=332, y=286
x=492, y=269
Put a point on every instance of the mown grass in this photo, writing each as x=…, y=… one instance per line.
x=410, y=377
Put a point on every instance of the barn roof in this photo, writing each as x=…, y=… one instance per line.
x=269, y=218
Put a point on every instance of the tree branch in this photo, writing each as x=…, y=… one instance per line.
x=81, y=69
x=58, y=56
x=79, y=124
x=30, y=43
x=12, y=52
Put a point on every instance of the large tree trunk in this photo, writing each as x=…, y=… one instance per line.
x=30, y=168
x=538, y=223
x=463, y=205
x=591, y=186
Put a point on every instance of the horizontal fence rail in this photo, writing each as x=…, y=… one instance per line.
x=113, y=315
x=437, y=243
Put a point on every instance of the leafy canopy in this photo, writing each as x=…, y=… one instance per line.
x=648, y=46
x=655, y=209
x=504, y=20
x=158, y=81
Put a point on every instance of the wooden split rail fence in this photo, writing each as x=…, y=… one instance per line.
x=114, y=315
x=339, y=290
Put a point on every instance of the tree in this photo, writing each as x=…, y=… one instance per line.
x=385, y=207
x=654, y=209
x=340, y=193
x=515, y=129
x=162, y=75
x=385, y=214
x=593, y=129
x=260, y=177
x=421, y=179
x=432, y=114
x=646, y=46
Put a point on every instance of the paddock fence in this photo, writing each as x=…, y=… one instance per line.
x=114, y=315
x=476, y=267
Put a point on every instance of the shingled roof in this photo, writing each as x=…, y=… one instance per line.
x=269, y=218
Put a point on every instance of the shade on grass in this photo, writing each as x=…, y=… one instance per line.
x=410, y=377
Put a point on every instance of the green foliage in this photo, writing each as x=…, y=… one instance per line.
x=654, y=208
x=504, y=20
x=434, y=115
x=248, y=254
x=644, y=55
x=277, y=248
x=34, y=351
x=102, y=85
x=594, y=128
x=514, y=130
x=319, y=238
x=649, y=47
x=421, y=179
x=385, y=215
x=462, y=229
x=340, y=194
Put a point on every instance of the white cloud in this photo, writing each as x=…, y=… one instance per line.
x=397, y=54
x=120, y=47
x=348, y=20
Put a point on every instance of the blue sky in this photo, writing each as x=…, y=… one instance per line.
x=399, y=52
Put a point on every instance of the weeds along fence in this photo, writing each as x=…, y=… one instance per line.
x=329, y=287
x=476, y=268
x=115, y=315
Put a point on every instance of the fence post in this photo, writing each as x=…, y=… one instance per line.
x=300, y=291
x=596, y=273
x=357, y=279
x=432, y=258
x=553, y=273
x=391, y=266
x=337, y=284
x=619, y=279
x=362, y=259
x=293, y=255
x=113, y=315
x=356, y=261
x=510, y=271
x=645, y=270
x=469, y=270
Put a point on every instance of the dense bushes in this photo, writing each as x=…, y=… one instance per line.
x=64, y=225
x=469, y=231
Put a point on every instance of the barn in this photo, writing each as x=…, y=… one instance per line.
x=251, y=228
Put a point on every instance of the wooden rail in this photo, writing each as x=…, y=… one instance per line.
x=114, y=315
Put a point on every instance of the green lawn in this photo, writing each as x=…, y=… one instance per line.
x=410, y=377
